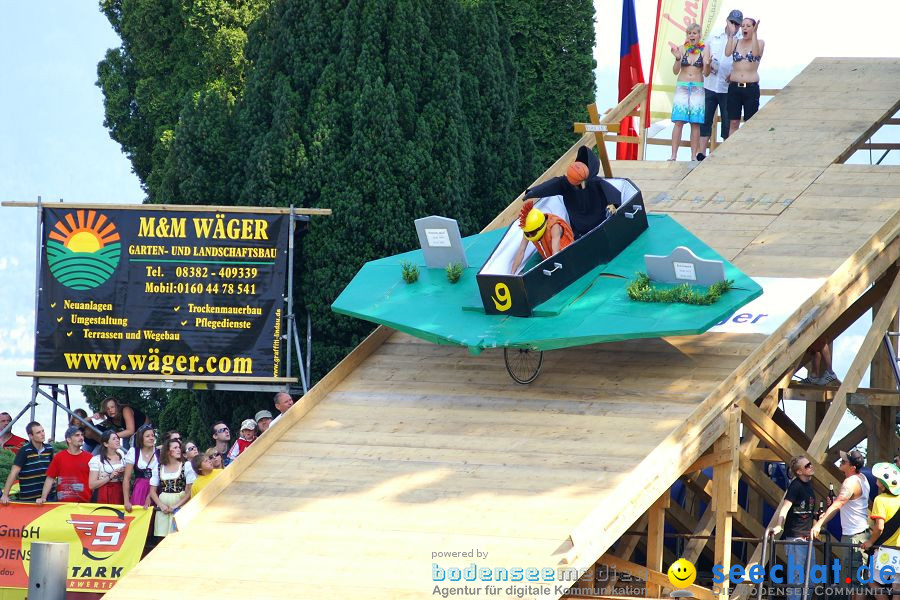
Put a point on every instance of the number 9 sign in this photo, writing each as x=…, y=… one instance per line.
x=503, y=299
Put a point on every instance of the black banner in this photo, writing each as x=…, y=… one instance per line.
x=153, y=292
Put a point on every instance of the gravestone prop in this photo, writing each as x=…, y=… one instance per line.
x=683, y=266
x=440, y=241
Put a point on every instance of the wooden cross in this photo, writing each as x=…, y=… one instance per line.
x=598, y=129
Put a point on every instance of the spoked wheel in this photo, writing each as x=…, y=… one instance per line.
x=523, y=365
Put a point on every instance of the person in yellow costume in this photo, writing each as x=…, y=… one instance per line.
x=548, y=232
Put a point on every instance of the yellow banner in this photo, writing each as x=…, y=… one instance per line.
x=104, y=541
x=674, y=17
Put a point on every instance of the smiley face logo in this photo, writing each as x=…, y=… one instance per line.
x=682, y=573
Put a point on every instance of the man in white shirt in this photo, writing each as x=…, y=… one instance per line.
x=853, y=504
x=715, y=85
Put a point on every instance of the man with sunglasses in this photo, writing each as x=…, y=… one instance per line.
x=853, y=504
x=795, y=519
x=221, y=435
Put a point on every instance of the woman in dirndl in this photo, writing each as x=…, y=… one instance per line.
x=689, y=103
x=106, y=470
x=142, y=461
x=170, y=486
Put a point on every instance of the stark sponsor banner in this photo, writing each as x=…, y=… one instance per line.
x=104, y=541
x=673, y=17
x=150, y=292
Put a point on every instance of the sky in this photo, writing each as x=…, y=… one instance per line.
x=53, y=143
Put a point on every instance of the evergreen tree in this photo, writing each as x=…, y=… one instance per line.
x=553, y=54
x=383, y=110
x=170, y=51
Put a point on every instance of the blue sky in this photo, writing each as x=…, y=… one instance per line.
x=53, y=143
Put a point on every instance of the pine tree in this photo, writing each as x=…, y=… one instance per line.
x=553, y=53
x=383, y=110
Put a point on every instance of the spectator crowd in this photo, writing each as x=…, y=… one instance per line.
x=123, y=461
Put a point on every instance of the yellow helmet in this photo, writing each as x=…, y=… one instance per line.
x=535, y=224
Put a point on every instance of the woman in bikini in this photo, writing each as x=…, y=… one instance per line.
x=743, y=91
x=689, y=104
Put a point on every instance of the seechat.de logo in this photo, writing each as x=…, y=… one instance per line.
x=83, y=249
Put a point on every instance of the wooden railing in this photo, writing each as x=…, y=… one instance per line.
x=635, y=105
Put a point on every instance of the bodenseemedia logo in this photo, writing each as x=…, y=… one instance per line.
x=83, y=249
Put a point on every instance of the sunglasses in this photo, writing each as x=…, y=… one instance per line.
x=221, y=430
x=190, y=448
x=807, y=465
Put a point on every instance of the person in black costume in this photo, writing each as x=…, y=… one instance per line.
x=588, y=198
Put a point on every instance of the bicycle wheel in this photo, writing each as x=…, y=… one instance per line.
x=523, y=365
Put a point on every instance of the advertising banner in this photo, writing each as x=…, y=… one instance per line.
x=104, y=541
x=152, y=292
x=673, y=18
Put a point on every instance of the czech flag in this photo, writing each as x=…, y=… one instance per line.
x=630, y=74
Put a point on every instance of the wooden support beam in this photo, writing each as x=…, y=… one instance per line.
x=768, y=406
x=709, y=460
x=685, y=523
x=656, y=577
x=846, y=443
x=631, y=542
x=765, y=454
x=625, y=549
x=756, y=376
x=782, y=443
x=704, y=488
x=656, y=527
x=866, y=301
x=725, y=491
x=870, y=396
x=881, y=374
x=819, y=446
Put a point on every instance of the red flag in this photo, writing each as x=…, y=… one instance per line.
x=630, y=74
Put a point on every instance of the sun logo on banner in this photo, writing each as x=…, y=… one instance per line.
x=83, y=250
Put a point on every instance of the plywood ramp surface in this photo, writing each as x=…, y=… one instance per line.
x=424, y=449
x=408, y=449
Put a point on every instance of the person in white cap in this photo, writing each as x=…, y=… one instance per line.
x=263, y=420
x=248, y=435
x=715, y=84
x=885, y=514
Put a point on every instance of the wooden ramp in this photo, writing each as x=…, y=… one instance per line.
x=408, y=449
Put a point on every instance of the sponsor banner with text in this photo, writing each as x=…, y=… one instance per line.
x=149, y=292
x=104, y=541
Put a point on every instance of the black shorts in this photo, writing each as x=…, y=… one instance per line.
x=743, y=97
x=714, y=99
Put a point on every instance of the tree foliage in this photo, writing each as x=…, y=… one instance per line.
x=383, y=110
x=171, y=51
x=553, y=43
